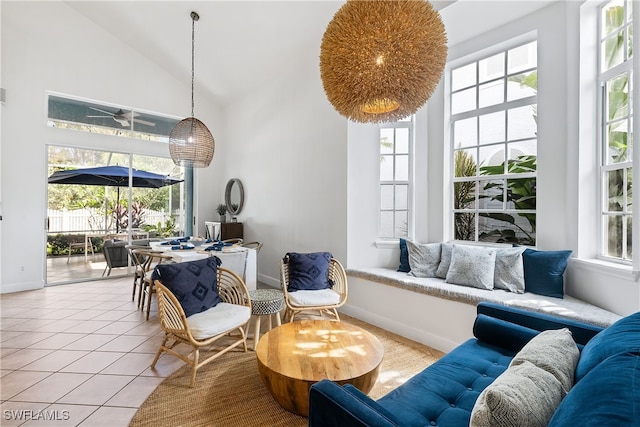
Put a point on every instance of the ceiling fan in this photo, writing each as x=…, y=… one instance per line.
x=122, y=117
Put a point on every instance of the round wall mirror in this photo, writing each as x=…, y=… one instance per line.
x=234, y=196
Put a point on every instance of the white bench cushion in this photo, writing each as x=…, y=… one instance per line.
x=220, y=318
x=569, y=307
x=314, y=298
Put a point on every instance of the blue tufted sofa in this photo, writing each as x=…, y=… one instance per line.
x=444, y=393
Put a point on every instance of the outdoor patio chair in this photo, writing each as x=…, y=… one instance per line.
x=78, y=242
x=202, y=329
x=326, y=300
x=115, y=254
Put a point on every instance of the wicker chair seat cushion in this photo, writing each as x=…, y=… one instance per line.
x=221, y=318
x=317, y=298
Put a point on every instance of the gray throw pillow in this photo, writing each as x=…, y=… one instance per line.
x=472, y=266
x=445, y=260
x=509, y=270
x=424, y=258
x=556, y=352
x=523, y=395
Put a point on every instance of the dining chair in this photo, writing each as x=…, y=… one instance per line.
x=234, y=241
x=204, y=328
x=138, y=261
x=152, y=259
x=253, y=245
x=326, y=300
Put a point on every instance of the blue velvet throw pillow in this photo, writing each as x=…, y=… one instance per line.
x=308, y=271
x=194, y=283
x=404, y=257
x=543, y=272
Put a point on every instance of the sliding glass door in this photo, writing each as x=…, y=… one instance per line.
x=91, y=214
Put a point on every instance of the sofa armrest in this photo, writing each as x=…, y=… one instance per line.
x=581, y=332
x=333, y=405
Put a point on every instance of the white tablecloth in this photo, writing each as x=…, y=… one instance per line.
x=232, y=258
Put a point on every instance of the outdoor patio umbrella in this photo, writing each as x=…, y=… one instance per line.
x=113, y=176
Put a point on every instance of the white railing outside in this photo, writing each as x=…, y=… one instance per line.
x=93, y=219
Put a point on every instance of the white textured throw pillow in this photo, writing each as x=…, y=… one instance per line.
x=523, y=396
x=424, y=258
x=472, y=266
x=445, y=260
x=556, y=352
x=509, y=270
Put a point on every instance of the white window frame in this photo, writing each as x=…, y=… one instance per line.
x=408, y=123
x=631, y=66
x=478, y=112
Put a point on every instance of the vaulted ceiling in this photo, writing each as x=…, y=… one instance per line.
x=240, y=44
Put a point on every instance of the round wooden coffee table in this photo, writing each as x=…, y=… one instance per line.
x=296, y=355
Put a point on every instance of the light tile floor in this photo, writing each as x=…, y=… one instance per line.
x=77, y=355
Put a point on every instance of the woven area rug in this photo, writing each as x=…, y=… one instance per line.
x=230, y=392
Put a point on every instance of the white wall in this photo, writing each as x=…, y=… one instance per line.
x=289, y=148
x=559, y=141
x=47, y=46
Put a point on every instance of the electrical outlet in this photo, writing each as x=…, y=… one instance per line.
x=22, y=268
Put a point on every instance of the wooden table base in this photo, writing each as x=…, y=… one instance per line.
x=294, y=356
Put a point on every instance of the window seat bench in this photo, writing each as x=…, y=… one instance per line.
x=438, y=314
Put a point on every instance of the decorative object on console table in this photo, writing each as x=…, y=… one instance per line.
x=231, y=230
x=222, y=211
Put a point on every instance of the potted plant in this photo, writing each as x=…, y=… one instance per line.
x=222, y=211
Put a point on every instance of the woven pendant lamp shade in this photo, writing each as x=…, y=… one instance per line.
x=381, y=60
x=191, y=143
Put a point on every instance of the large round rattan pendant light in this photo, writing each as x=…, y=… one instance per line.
x=190, y=142
x=380, y=60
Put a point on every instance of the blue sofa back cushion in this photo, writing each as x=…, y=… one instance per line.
x=308, y=271
x=543, y=271
x=624, y=335
x=194, y=283
x=404, y=257
x=609, y=395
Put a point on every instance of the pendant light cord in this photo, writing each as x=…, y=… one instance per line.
x=194, y=18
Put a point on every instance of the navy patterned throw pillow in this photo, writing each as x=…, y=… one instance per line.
x=308, y=271
x=194, y=283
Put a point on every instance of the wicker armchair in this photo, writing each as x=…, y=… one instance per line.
x=327, y=300
x=236, y=304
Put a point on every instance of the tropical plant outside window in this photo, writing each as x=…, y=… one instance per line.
x=395, y=177
x=494, y=146
x=615, y=77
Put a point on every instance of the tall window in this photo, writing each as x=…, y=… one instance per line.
x=493, y=103
x=395, y=177
x=615, y=79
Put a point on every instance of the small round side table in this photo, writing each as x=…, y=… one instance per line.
x=265, y=302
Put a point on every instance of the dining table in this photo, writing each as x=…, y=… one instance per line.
x=240, y=260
